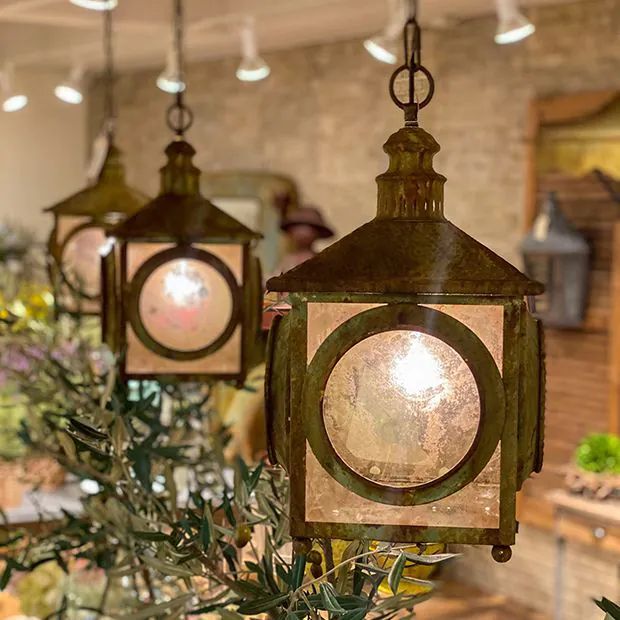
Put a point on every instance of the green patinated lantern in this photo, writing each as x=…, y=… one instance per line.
x=82, y=220
x=405, y=384
x=182, y=287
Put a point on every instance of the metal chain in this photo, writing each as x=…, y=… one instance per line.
x=412, y=43
x=109, y=107
x=179, y=116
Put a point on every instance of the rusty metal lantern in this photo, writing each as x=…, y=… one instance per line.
x=82, y=220
x=404, y=385
x=182, y=288
x=559, y=256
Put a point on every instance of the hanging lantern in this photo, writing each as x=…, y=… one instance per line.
x=557, y=255
x=404, y=386
x=81, y=221
x=182, y=288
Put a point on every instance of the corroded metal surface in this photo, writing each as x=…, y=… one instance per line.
x=409, y=247
x=180, y=212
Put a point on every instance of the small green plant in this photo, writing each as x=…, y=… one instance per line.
x=599, y=453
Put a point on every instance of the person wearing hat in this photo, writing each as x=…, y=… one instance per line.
x=303, y=227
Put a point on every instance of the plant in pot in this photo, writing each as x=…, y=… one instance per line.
x=596, y=469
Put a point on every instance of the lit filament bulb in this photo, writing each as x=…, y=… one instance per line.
x=418, y=372
x=183, y=285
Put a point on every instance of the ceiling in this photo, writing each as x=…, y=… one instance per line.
x=57, y=33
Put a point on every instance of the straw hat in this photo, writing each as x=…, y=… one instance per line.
x=309, y=216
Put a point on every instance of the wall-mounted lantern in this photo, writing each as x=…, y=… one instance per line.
x=557, y=255
x=182, y=288
x=82, y=220
x=404, y=386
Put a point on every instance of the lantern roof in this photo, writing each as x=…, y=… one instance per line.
x=552, y=233
x=410, y=247
x=181, y=213
x=108, y=199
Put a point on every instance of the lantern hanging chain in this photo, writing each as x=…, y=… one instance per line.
x=412, y=44
x=179, y=116
x=109, y=108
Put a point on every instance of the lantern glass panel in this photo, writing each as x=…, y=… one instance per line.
x=476, y=505
x=185, y=304
x=141, y=360
x=81, y=260
x=401, y=408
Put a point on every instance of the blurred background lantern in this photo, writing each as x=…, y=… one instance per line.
x=404, y=388
x=81, y=221
x=182, y=289
x=559, y=256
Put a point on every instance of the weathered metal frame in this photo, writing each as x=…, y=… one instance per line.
x=405, y=316
x=139, y=279
x=126, y=290
x=504, y=534
x=102, y=205
x=57, y=251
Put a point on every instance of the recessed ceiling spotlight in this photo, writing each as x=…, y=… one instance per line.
x=512, y=25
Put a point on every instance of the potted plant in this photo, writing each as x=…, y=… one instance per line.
x=596, y=470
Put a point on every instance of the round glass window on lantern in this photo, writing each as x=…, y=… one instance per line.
x=82, y=261
x=177, y=305
x=393, y=403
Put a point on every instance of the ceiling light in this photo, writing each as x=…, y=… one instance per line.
x=171, y=79
x=252, y=67
x=513, y=25
x=12, y=100
x=384, y=46
x=96, y=5
x=71, y=90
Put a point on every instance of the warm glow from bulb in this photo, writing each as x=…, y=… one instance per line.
x=418, y=372
x=183, y=285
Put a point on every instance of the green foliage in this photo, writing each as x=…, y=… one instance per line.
x=611, y=609
x=599, y=453
x=187, y=531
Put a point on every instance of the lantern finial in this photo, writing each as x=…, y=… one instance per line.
x=179, y=176
x=112, y=170
x=411, y=189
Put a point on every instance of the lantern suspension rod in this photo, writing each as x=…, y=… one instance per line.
x=179, y=116
x=412, y=44
x=109, y=109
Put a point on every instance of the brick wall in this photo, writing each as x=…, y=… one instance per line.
x=322, y=117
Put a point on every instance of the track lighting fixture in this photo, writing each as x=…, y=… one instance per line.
x=384, y=46
x=252, y=67
x=71, y=90
x=12, y=100
x=512, y=25
x=96, y=5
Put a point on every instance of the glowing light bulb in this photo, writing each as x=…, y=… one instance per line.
x=418, y=372
x=183, y=285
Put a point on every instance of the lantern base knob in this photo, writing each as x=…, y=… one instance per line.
x=501, y=553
